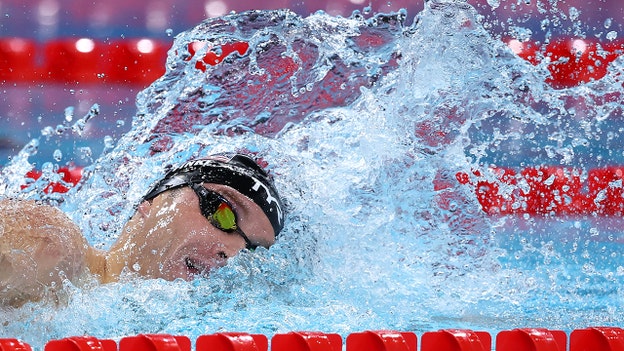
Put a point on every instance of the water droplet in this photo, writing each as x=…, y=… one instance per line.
x=612, y=35
x=594, y=232
x=574, y=13
x=32, y=147
x=69, y=113
x=58, y=155
x=47, y=168
x=169, y=32
x=453, y=206
x=47, y=131
x=545, y=24
x=608, y=22
x=494, y=4
x=109, y=142
x=136, y=267
x=60, y=129
x=85, y=152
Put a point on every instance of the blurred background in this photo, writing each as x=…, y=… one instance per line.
x=45, y=19
x=32, y=105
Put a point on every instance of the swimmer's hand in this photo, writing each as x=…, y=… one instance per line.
x=40, y=247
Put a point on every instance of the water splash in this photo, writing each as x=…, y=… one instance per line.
x=365, y=124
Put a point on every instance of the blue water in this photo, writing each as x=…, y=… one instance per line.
x=346, y=124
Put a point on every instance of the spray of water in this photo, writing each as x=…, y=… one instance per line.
x=365, y=122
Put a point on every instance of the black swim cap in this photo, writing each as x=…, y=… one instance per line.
x=239, y=172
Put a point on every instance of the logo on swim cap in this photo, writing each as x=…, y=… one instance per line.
x=269, y=198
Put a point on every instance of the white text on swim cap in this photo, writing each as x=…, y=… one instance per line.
x=269, y=198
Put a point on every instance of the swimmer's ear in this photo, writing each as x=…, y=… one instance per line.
x=144, y=208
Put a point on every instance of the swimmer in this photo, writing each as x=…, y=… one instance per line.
x=187, y=225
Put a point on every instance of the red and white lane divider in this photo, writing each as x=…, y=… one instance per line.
x=526, y=339
x=70, y=176
x=84, y=60
x=541, y=190
x=549, y=190
x=570, y=61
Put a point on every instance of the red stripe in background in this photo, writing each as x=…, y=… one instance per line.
x=141, y=60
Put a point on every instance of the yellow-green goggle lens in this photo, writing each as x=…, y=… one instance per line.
x=224, y=217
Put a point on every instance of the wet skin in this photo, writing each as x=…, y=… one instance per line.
x=167, y=237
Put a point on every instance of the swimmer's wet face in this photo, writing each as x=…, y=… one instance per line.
x=170, y=238
x=192, y=227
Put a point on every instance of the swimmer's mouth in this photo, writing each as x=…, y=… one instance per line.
x=194, y=267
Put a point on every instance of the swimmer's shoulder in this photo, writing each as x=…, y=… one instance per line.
x=39, y=247
x=29, y=215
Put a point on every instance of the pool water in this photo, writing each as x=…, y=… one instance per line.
x=361, y=119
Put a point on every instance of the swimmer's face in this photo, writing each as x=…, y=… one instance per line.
x=170, y=238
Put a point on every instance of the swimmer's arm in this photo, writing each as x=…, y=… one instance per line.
x=39, y=248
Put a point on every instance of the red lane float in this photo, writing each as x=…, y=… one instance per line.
x=17, y=60
x=72, y=60
x=598, y=338
x=577, y=61
x=232, y=342
x=570, y=61
x=83, y=60
x=523, y=339
x=139, y=61
x=456, y=340
x=155, y=342
x=548, y=190
x=306, y=341
x=14, y=345
x=70, y=177
x=531, y=340
x=384, y=340
x=81, y=343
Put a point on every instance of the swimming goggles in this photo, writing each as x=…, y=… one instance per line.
x=220, y=213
